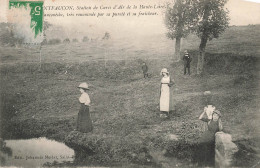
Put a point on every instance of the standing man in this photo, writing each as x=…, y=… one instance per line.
x=187, y=59
x=145, y=70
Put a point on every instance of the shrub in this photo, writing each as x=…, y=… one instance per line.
x=85, y=39
x=54, y=41
x=75, y=40
x=106, y=36
x=67, y=40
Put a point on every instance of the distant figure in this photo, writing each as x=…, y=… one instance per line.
x=187, y=59
x=145, y=70
x=206, y=150
x=84, y=122
x=165, y=96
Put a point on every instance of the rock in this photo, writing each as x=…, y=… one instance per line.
x=224, y=150
x=207, y=93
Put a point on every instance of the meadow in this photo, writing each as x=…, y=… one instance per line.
x=40, y=99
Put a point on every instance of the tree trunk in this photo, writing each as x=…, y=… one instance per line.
x=201, y=56
x=177, y=49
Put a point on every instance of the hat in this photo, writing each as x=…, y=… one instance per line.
x=83, y=86
x=217, y=112
x=164, y=70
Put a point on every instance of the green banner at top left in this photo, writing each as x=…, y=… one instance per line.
x=36, y=13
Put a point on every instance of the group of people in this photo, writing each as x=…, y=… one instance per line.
x=211, y=116
x=186, y=62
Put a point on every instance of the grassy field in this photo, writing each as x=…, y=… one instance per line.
x=42, y=100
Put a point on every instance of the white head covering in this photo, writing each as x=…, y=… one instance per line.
x=83, y=86
x=164, y=70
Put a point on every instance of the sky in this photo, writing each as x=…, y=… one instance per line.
x=242, y=12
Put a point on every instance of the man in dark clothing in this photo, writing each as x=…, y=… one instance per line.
x=187, y=59
x=145, y=70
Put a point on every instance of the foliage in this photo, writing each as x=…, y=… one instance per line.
x=213, y=18
x=54, y=41
x=85, y=39
x=212, y=21
x=7, y=35
x=106, y=36
x=75, y=40
x=66, y=40
x=180, y=18
x=44, y=41
x=46, y=25
x=205, y=17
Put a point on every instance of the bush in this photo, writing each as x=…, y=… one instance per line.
x=85, y=39
x=67, y=40
x=106, y=36
x=44, y=42
x=54, y=41
x=10, y=39
x=75, y=40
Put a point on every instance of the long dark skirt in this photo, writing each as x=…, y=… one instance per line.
x=205, y=154
x=84, y=122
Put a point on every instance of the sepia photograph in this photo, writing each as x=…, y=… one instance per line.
x=130, y=83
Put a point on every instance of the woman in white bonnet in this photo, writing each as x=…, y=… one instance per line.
x=84, y=122
x=165, y=93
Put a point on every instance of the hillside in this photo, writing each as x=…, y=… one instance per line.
x=42, y=99
x=242, y=40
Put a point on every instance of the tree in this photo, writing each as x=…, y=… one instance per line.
x=180, y=20
x=66, y=40
x=8, y=36
x=106, y=36
x=75, y=40
x=46, y=26
x=85, y=39
x=212, y=21
x=54, y=41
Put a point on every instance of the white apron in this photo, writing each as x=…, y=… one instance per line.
x=165, y=94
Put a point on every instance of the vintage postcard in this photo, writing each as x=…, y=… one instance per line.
x=129, y=83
